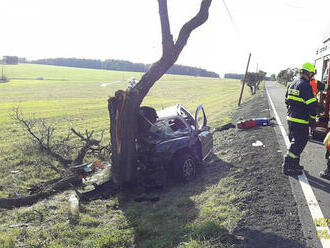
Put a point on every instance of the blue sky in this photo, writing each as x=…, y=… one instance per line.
x=278, y=33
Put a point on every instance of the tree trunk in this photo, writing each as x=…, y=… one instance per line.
x=123, y=130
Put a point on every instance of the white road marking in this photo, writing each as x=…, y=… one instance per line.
x=312, y=203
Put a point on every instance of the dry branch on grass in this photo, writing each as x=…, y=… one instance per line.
x=59, y=185
x=42, y=134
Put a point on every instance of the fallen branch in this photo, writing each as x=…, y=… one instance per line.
x=18, y=225
x=102, y=191
x=52, y=189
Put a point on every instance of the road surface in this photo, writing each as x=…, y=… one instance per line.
x=312, y=195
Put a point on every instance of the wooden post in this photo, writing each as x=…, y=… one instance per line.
x=247, y=67
x=2, y=78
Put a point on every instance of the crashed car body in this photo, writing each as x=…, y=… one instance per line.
x=177, y=141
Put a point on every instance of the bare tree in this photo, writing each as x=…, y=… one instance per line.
x=123, y=107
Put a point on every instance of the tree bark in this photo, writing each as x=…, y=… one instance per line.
x=123, y=107
x=123, y=129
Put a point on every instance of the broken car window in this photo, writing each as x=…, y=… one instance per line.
x=169, y=127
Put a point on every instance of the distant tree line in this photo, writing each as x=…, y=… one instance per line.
x=287, y=75
x=241, y=76
x=234, y=76
x=122, y=65
x=9, y=60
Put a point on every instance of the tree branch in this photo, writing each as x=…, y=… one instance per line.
x=18, y=116
x=194, y=23
x=89, y=142
x=167, y=38
x=170, y=52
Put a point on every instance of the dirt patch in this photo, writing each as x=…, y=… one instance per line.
x=271, y=218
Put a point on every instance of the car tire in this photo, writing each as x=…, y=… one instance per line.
x=184, y=167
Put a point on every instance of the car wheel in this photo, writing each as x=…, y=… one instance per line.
x=184, y=167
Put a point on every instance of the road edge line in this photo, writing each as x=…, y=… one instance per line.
x=312, y=203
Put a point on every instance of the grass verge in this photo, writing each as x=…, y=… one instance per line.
x=187, y=215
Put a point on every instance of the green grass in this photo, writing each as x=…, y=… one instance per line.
x=186, y=216
x=82, y=102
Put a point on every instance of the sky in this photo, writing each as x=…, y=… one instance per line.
x=278, y=33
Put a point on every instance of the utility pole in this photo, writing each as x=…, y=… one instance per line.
x=257, y=67
x=247, y=67
x=2, y=78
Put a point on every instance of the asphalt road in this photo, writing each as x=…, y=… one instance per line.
x=313, y=159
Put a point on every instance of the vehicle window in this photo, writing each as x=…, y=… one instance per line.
x=200, y=117
x=187, y=116
x=325, y=75
x=319, y=68
x=177, y=125
x=169, y=127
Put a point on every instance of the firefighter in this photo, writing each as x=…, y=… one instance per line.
x=317, y=85
x=301, y=105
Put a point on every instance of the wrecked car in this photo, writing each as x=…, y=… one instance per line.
x=174, y=139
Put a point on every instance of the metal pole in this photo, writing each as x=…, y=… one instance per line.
x=247, y=67
x=327, y=98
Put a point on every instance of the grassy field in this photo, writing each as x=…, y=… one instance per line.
x=186, y=216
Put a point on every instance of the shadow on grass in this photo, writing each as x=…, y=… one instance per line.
x=172, y=220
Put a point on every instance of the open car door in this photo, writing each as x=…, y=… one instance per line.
x=205, y=136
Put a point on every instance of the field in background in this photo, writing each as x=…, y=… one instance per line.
x=78, y=97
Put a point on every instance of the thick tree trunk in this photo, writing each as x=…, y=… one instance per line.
x=123, y=130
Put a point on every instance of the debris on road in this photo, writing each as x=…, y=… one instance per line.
x=246, y=124
x=258, y=143
x=74, y=205
x=255, y=122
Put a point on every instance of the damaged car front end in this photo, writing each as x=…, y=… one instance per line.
x=175, y=142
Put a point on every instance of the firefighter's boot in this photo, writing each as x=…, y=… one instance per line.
x=326, y=173
x=296, y=164
x=289, y=167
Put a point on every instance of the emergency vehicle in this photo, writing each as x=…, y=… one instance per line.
x=322, y=65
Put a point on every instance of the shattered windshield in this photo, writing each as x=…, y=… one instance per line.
x=169, y=128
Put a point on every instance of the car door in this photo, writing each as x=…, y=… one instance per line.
x=185, y=114
x=205, y=136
